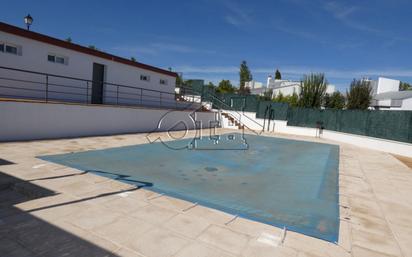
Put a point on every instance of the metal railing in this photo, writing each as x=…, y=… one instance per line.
x=236, y=115
x=46, y=87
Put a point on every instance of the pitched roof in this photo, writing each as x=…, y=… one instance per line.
x=395, y=95
x=78, y=48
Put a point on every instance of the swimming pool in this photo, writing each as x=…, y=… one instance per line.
x=275, y=181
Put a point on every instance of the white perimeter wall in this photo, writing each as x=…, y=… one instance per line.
x=280, y=126
x=29, y=121
x=33, y=57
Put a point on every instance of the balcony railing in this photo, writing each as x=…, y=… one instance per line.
x=45, y=87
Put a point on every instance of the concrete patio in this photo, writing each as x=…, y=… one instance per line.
x=51, y=210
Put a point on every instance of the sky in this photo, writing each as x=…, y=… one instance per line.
x=208, y=39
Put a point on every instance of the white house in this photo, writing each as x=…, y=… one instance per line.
x=284, y=87
x=57, y=70
x=386, y=95
x=253, y=84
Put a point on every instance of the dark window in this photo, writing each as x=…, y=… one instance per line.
x=56, y=59
x=60, y=60
x=1, y=47
x=163, y=82
x=11, y=49
x=144, y=77
x=51, y=58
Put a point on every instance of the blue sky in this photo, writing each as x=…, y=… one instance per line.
x=208, y=39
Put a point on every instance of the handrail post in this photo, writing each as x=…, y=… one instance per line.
x=160, y=99
x=87, y=92
x=117, y=95
x=47, y=88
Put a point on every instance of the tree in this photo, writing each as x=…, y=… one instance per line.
x=244, y=76
x=93, y=47
x=279, y=98
x=179, y=80
x=293, y=100
x=210, y=85
x=312, y=90
x=225, y=87
x=336, y=100
x=133, y=59
x=267, y=95
x=404, y=86
x=359, y=95
x=278, y=75
x=69, y=39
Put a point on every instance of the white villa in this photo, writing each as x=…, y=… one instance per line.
x=284, y=87
x=253, y=84
x=387, y=96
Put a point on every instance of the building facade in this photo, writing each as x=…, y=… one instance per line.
x=387, y=96
x=76, y=73
x=253, y=84
x=284, y=87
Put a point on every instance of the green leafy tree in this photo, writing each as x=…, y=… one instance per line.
x=210, y=85
x=225, y=87
x=93, y=47
x=69, y=39
x=404, y=86
x=312, y=90
x=336, y=100
x=267, y=95
x=293, y=100
x=278, y=75
x=133, y=59
x=179, y=80
x=359, y=95
x=244, y=76
x=279, y=98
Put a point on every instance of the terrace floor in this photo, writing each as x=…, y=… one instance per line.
x=51, y=210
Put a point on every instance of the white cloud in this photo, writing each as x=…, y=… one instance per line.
x=158, y=47
x=298, y=71
x=343, y=13
x=136, y=50
x=178, y=48
x=237, y=16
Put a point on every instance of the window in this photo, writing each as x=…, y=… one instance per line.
x=163, y=82
x=9, y=48
x=51, y=58
x=57, y=59
x=144, y=78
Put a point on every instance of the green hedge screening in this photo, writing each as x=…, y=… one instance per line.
x=235, y=102
x=277, y=111
x=392, y=125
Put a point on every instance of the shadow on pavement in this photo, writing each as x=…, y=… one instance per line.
x=22, y=234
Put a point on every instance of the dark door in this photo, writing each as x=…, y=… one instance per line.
x=97, y=86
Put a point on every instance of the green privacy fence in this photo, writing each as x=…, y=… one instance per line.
x=274, y=111
x=392, y=125
x=247, y=103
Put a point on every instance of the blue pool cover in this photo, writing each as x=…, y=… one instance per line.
x=285, y=183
